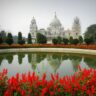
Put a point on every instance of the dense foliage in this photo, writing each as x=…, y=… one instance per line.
x=9, y=39
x=54, y=41
x=20, y=39
x=90, y=34
x=82, y=83
x=81, y=39
x=1, y=39
x=41, y=39
x=29, y=38
x=65, y=41
x=71, y=40
x=88, y=41
x=75, y=41
x=3, y=35
x=59, y=39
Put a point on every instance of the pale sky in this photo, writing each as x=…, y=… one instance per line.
x=16, y=15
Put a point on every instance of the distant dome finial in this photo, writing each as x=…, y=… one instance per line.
x=55, y=14
x=33, y=17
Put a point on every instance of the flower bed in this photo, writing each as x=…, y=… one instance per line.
x=82, y=83
x=80, y=46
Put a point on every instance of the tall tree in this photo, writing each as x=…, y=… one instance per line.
x=29, y=39
x=9, y=39
x=3, y=34
x=19, y=38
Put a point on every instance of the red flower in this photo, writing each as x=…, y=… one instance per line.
x=83, y=81
x=52, y=93
x=52, y=77
x=44, y=91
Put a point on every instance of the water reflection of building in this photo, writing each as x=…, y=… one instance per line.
x=51, y=61
x=75, y=60
x=55, y=61
x=35, y=58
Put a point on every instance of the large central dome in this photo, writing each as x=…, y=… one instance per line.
x=55, y=28
x=55, y=21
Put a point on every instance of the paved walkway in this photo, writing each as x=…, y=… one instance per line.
x=64, y=50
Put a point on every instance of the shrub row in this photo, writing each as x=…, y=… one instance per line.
x=79, y=46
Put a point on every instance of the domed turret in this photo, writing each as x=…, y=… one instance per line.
x=33, y=29
x=76, y=28
x=33, y=25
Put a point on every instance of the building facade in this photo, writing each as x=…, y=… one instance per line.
x=56, y=29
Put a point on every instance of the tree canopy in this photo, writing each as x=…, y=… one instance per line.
x=65, y=41
x=21, y=40
x=41, y=39
x=80, y=39
x=9, y=39
x=29, y=39
x=91, y=33
x=3, y=35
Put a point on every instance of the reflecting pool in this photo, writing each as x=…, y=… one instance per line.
x=61, y=63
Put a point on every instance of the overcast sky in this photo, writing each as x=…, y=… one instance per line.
x=16, y=15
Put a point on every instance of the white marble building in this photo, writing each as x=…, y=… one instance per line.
x=56, y=29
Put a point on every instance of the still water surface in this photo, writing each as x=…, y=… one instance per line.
x=64, y=64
